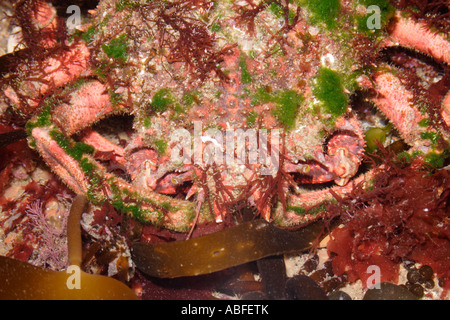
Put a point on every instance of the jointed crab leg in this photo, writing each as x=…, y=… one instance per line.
x=102, y=144
x=395, y=102
x=87, y=105
x=59, y=161
x=85, y=176
x=416, y=35
x=393, y=98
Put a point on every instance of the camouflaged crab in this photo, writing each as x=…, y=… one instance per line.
x=246, y=65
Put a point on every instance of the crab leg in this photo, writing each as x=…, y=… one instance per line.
x=102, y=144
x=87, y=105
x=395, y=102
x=307, y=200
x=57, y=159
x=417, y=36
x=169, y=183
x=70, y=64
x=313, y=172
x=63, y=65
x=85, y=176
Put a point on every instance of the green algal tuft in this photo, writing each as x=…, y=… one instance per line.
x=117, y=48
x=75, y=150
x=131, y=209
x=62, y=141
x=216, y=27
x=246, y=77
x=437, y=160
x=114, y=97
x=276, y=9
x=251, y=119
x=147, y=122
x=330, y=91
x=324, y=11
x=166, y=206
x=101, y=71
x=86, y=166
x=190, y=98
x=162, y=100
x=407, y=157
x=297, y=210
x=432, y=136
x=320, y=208
x=88, y=36
x=262, y=95
x=287, y=105
x=161, y=146
x=42, y=120
x=424, y=123
x=123, y=4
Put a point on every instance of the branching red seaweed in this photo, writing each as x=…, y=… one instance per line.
x=401, y=216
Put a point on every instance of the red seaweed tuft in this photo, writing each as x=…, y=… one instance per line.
x=400, y=217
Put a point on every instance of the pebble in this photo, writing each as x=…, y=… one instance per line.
x=429, y=284
x=389, y=291
x=302, y=287
x=311, y=264
x=414, y=276
x=339, y=295
x=416, y=289
x=426, y=272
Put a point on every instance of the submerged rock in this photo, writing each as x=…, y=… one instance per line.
x=389, y=291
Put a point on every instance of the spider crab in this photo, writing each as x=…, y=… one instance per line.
x=279, y=72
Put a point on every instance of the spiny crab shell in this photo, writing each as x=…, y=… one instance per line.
x=226, y=66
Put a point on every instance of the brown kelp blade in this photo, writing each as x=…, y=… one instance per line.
x=22, y=281
x=237, y=245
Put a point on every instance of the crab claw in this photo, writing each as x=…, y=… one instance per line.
x=87, y=105
x=344, y=166
x=170, y=183
x=344, y=156
x=312, y=172
x=340, y=163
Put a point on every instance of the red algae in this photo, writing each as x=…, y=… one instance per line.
x=402, y=216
